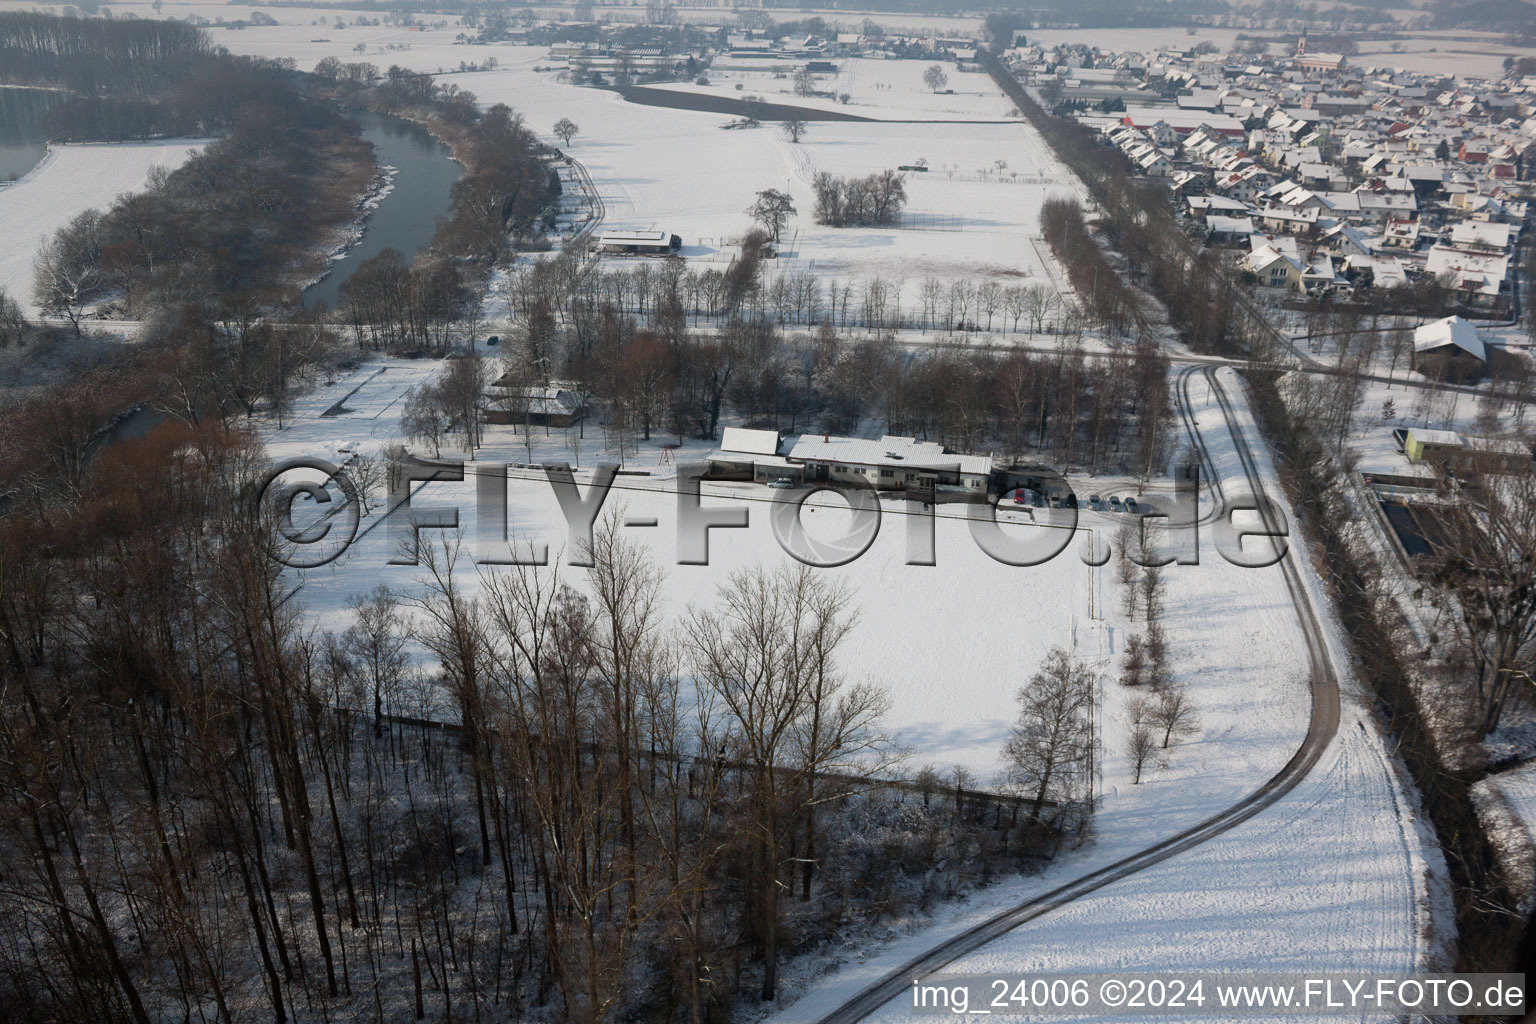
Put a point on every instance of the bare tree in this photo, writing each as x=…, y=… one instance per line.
x=423, y=418
x=12, y=324
x=1139, y=747
x=1048, y=750
x=767, y=653
x=989, y=298
x=1489, y=575
x=377, y=642
x=1173, y=713
x=1133, y=670
x=935, y=78
x=566, y=129
x=1039, y=300
x=369, y=475
x=67, y=278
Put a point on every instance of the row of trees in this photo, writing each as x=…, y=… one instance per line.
x=1155, y=720
x=671, y=293
x=404, y=308
x=1106, y=298
x=578, y=328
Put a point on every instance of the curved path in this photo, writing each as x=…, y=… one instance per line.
x=1321, y=728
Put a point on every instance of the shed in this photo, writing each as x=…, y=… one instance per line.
x=1449, y=450
x=638, y=243
x=742, y=451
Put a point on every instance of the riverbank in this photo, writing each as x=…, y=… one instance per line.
x=410, y=193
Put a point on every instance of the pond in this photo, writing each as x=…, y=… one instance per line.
x=23, y=135
x=405, y=219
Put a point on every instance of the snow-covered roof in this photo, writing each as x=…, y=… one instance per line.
x=749, y=442
x=1452, y=330
x=1426, y=436
x=1229, y=225
x=1481, y=235
x=1483, y=272
x=633, y=238
x=889, y=452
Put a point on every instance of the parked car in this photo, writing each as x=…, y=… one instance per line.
x=1114, y=503
x=1037, y=499
x=782, y=483
x=1071, y=501
x=493, y=340
x=1055, y=501
x=1095, y=502
x=1132, y=507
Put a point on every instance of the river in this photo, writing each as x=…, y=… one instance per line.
x=23, y=135
x=406, y=218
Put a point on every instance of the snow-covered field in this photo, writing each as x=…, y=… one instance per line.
x=70, y=180
x=888, y=90
x=676, y=170
x=951, y=642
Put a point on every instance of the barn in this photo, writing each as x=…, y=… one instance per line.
x=1449, y=350
x=508, y=402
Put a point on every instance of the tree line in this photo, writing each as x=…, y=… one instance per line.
x=662, y=373
x=96, y=56
x=230, y=228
